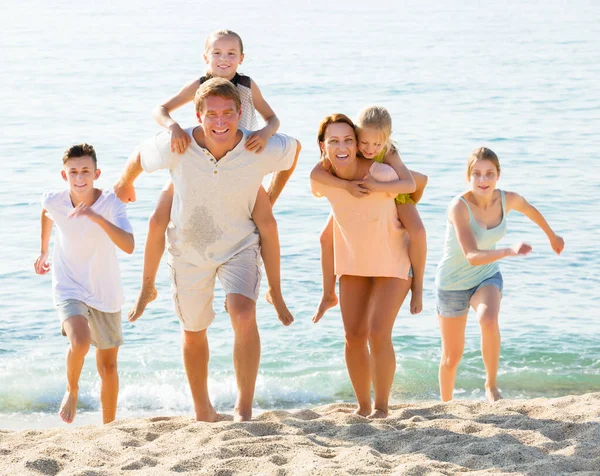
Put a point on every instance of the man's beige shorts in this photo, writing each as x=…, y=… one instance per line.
x=193, y=287
x=105, y=327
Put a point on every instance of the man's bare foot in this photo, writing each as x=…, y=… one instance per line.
x=207, y=414
x=239, y=415
x=364, y=412
x=492, y=394
x=377, y=414
x=68, y=407
x=283, y=313
x=146, y=296
x=327, y=302
x=416, y=301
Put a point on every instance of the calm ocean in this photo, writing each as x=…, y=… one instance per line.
x=515, y=76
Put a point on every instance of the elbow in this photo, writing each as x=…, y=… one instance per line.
x=473, y=259
x=130, y=246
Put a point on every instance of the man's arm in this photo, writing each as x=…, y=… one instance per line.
x=124, y=189
x=41, y=264
x=280, y=178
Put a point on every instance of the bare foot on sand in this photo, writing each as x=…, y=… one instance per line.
x=146, y=296
x=68, y=407
x=207, y=414
x=327, y=302
x=364, y=412
x=283, y=313
x=416, y=301
x=492, y=394
x=377, y=414
x=238, y=415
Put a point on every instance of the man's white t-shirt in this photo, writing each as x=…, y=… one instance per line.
x=211, y=216
x=84, y=260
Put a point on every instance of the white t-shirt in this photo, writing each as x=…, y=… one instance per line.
x=84, y=260
x=211, y=216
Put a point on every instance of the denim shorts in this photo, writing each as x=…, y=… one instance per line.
x=457, y=303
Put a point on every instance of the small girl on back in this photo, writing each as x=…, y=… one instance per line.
x=374, y=129
x=223, y=53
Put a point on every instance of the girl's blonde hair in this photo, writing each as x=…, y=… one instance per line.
x=215, y=35
x=482, y=153
x=377, y=117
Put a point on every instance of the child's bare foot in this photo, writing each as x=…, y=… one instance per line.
x=327, y=302
x=68, y=407
x=146, y=296
x=283, y=313
x=364, y=412
x=492, y=394
x=377, y=414
x=416, y=301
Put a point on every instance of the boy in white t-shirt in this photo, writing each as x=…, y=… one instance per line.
x=86, y=281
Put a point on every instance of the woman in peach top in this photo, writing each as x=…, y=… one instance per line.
x=371, y=261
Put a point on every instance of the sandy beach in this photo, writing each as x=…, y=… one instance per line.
x=532, y=437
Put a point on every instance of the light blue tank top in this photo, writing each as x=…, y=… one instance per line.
x=455, y=273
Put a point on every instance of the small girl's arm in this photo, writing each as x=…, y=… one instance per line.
x=257, y=140
x=405, y=182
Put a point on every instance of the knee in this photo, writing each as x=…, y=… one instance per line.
x=356, y=338
x=417, y=232
x=107, y=369
x=243, y=318
x=326, y=237
x=193, y=339
x=450, y=360
x=379, y=337
x=488, y=320
x=80, y=345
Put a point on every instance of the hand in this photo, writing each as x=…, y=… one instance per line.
x=356, y=189
x=41, y=264
x=257, y=141
x=557, y=244
x=520, y=249
x=368, y=182
x=83, y=210
x=180, y=140
x=124, y=191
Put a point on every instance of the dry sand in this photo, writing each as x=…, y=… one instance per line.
x=533, y=437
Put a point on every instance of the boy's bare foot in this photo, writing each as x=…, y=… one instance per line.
x=416, y=301
x=68, y=407
x=377, y=414
x=146, y=296
x=492, y=394
x=207, y=414
x=364, y=412
x=327, y=302
x=283, y=313
x=239, y=415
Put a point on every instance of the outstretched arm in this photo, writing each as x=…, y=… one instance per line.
x=514, y=201
x=41, y=264
x=124, y=189
x=459, y=217
x=162, y=114
x=257, y=140
x=280, y=178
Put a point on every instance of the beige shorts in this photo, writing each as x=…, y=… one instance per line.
x=105, y=327
x=193, y=287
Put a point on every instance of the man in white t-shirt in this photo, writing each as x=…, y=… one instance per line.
x=211, y=234
x=86, y=282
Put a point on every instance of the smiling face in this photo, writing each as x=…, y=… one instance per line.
x=219, y=118
x=483, y=176
x=339, y=146
x=80, y=173
x=370, y=142
x=223, y=57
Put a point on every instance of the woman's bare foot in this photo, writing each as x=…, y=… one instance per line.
x=377, y=414
x=416, y=301
x=207, y=414
x=146, y=296
x=239, y=415
x=283, y=313
x=327, y=302
x=492, y=394
x=364, y=412
x=68, y=407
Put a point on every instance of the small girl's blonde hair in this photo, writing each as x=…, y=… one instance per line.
x=215, y=35
x=377, y=117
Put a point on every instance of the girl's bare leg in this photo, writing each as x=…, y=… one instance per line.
x=329, y=298
x=486, y=302
x=106, y=363
x=153, y=252
x=453, y=345
x=355, y=292
x=386, y=298
x=417, y=251
x=262, y=214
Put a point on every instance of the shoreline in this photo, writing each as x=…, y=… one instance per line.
x=538, y=436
